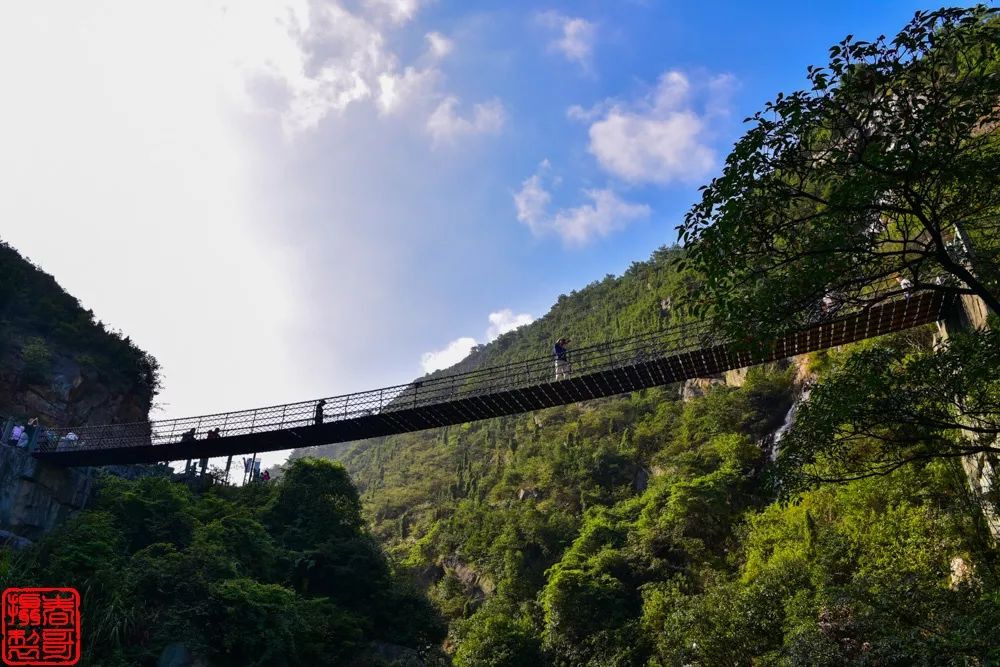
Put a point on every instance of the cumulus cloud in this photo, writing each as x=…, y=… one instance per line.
x=438, y=46
x=585, y=115
x=449, y=355
x=310, y=59
x=305, y=61
x=505, y=320
x=575, y=36
x=577, y=226
x=660, y=138
x=501, y=321
x=605, y=214
x=445, y=124
x=397, y=11
x=396, y=89
x=532, y=201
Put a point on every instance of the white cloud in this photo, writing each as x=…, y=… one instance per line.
x=446, y=124
x=584, y=115
x=451, y=354
x=532, y=201
x=661, y=138
x=397, y=90
x=607, y=213
x=576, y=36
x=505, y=320
x=305, y=61
x=311, y=58
x=438, y=45
x=501, y=321
x=397, y=11
x=578, y=225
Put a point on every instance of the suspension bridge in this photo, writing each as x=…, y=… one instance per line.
x=655, y=359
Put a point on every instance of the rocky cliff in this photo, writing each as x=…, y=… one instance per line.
x=61, y=365
x=35, y=497
x=57, y=362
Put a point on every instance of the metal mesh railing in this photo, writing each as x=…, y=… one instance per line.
x=430, y=391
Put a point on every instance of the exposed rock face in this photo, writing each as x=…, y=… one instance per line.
x=70, y=395
x=59, y=364
x=698, y=387
x=526, y=494
x=736, y=377
x=962, y=572
x=9, y=540
x=477, y=586
x=34, y=496
x=640, y=480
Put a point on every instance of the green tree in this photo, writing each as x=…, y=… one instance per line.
x=872, y=173
x=37, y=360
x=890, y=404
x=315, y=501
x=269, y=626
x=495, y=638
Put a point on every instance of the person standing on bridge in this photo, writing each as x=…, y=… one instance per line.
x=562, y=359
x=664, y=311
x=906, y=285
x=319, y=411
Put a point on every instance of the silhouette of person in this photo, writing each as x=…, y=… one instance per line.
x=562, y=361
x=319, y=411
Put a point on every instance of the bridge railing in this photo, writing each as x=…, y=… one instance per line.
x=422, y=393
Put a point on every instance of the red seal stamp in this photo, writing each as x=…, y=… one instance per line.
x=41, y=626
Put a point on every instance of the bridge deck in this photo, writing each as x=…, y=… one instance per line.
x=602, y=370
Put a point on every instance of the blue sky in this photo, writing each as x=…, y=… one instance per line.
x=289, y=199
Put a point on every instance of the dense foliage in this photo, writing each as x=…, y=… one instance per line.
x=278, y=574
x=886, y=169
x=672, y=526
x=38, y=318
x=898, y=401
x=652, y=529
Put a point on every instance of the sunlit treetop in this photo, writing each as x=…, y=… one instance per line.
x=886, y=169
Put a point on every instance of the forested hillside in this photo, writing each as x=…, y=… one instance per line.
x=651, y=527
x=835, y=508
x=674, y=527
